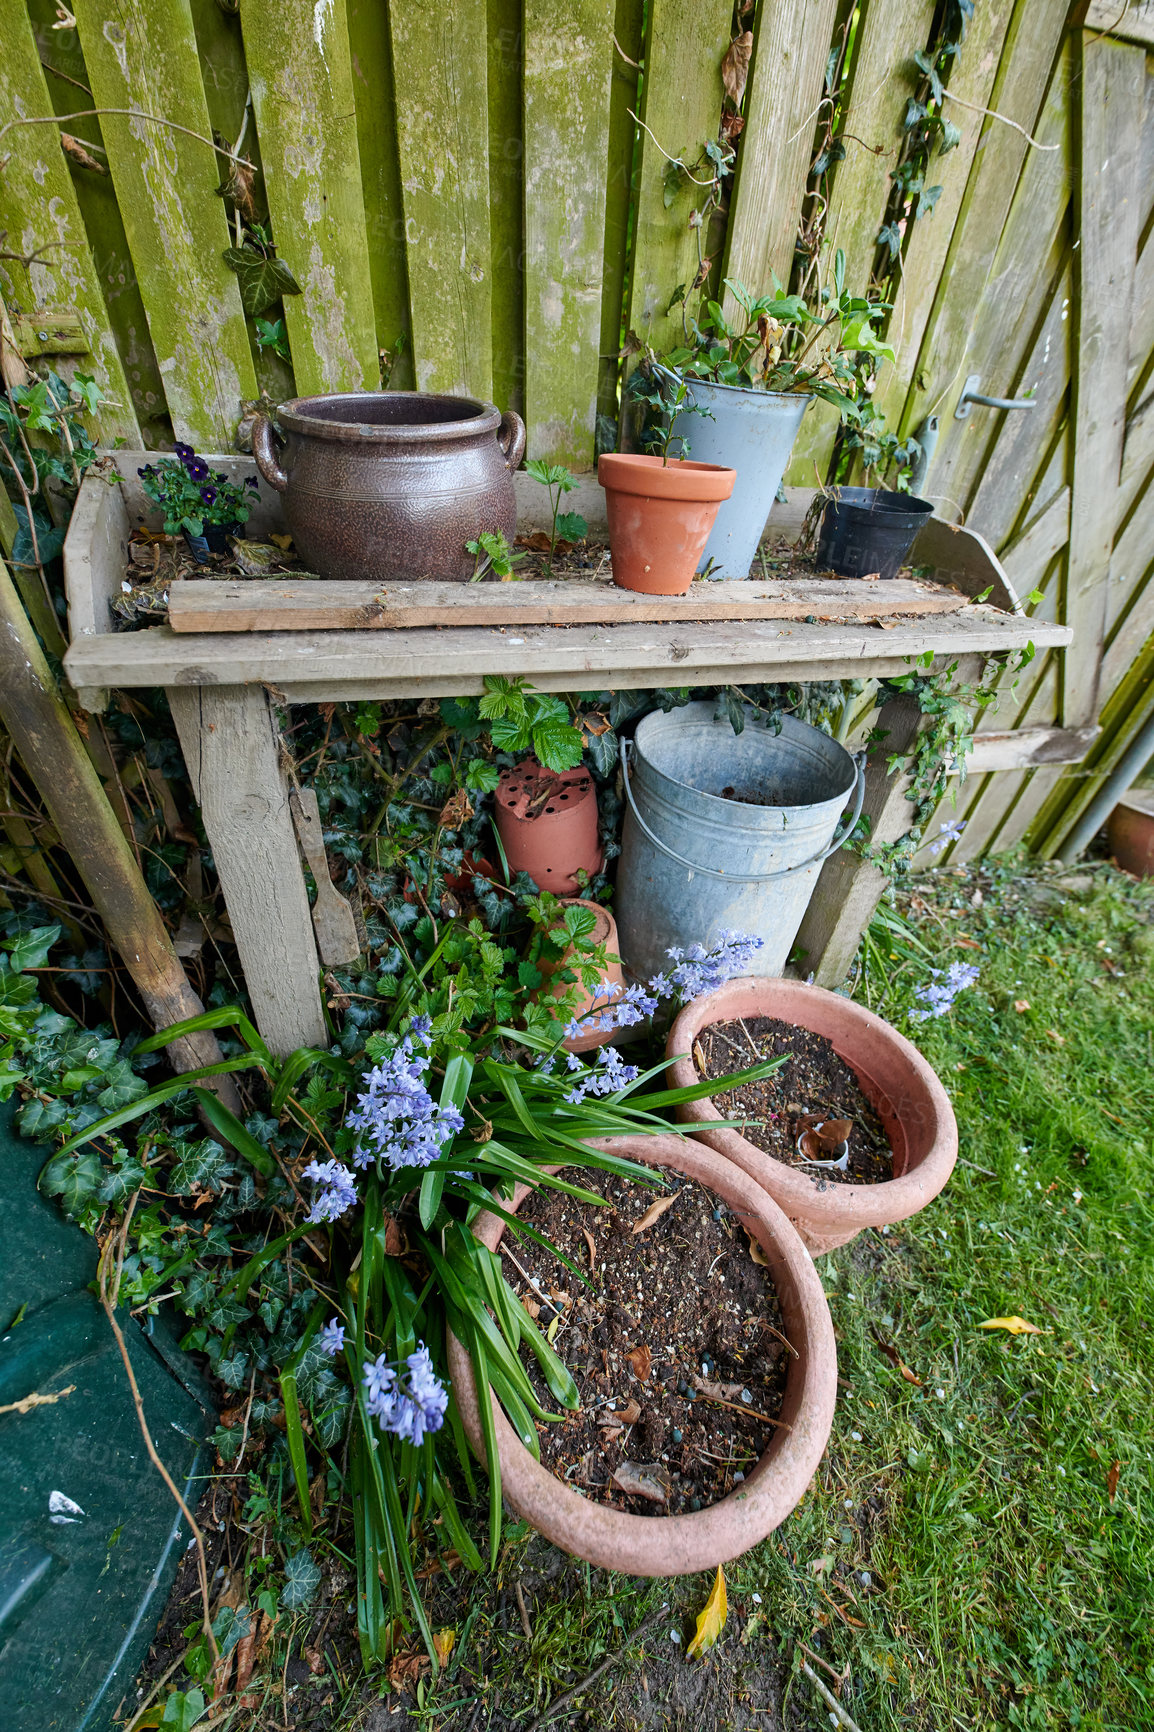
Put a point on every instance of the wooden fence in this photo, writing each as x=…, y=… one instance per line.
x=481, y=198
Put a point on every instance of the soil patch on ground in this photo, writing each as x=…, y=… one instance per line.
x=812, y=1088
x=676, y=1347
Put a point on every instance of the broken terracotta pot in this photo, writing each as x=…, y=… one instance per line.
x=914, y=1108
x=678, y=1545
x=547, y=822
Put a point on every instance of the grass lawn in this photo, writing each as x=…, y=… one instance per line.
x=976, y=1550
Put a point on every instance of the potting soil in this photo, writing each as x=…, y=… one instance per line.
x=676, y=1344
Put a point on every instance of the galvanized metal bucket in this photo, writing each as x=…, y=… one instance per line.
x=752, y=432
x=726, y=831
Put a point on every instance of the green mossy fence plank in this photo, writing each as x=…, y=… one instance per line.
x=440, y=64
x=1024, y=73
x=972, y=81
x=374, y=87
x=38, y=207
x=1112, y=95
x=507, y=202
x=568, y=63
x=622, y=164
x=226, y=90
x=145, y=59
x=302, y=86
x=786, y=79
x=688, y=40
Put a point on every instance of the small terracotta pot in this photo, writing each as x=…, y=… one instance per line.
x=678, y=1545
x=912, y=1104
x=660, y=516
x=613, y=981
x=1130, y=832
x=548, y=825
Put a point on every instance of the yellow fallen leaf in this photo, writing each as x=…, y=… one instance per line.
x=756, y=1252
x=1012, y=1325
x=710, y=1620
x=443, y=1643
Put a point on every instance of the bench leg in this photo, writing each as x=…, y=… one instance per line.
x=230, y=744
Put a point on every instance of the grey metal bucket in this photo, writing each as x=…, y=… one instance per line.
x=697, y=860
x=752, y=432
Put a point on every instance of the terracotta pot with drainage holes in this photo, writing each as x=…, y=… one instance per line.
x=547, y=822
x=681, y=1544
x=910, y=1101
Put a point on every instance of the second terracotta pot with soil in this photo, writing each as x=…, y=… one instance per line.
x=913, y=1106
x=660, y=516
x=547, y=823
x=680, y=1544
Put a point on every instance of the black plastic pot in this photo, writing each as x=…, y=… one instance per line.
x=868, y=531
x=213, y=540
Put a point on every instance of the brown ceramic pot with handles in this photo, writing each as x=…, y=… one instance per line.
x=381, y=484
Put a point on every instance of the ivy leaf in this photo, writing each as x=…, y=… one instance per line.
x=951, y=137
x=36, y=1118
x=710, y=1620
x=204, y=1164
x=49, y=539
x=604, y=751
x=557, y=745
x=119, y=1185
x=76, y=1179
x=262, y=281
x=121, y=1086
x=31, y=949
x=302, y=1579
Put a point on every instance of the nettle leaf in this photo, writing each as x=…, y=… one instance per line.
x=302, y=1579
x=571, y=526
x=262, y=281
x=31, y=949
x=556, y=744
x=76, y=1179
x=482, y=777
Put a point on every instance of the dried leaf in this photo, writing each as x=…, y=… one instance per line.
x=316, y=1660
x=531, y=1305
x=895, y=1359
x=699, y=1058
x=821, y=1566
x=884, y=624
x=810, y=1145
x=642, y=1362
x=966, y=944
x=834, y=1132
x=639, y=1479
x=1021, y=1005
x=592, y=1247
x=710, y=1620
x=443, y=1641
x=735, y=66
x=396, y=1244
x=285, y=542
x=405, y=1669
x=1112, y=1479
x=718, y=1391
x=457, y=810
x=629, y=1414
x=654, y=1213
x=77, y=152
x=1012, y=1325
x=1058, y=1039
x=756, y=1252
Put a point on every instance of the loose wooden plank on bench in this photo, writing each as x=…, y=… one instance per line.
x=311, y=604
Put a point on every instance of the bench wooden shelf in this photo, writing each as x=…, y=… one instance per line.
x=219, y=681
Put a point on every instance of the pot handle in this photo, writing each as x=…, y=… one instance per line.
x=839, y=840
x=264, y=449
x=511, y=438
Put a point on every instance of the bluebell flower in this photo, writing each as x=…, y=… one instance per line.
x=409, y=1406
x=694, y=972
x=608, y=1076
x=951, y=832
x=337, y=1192
x=398, y=1120
x=937, y=997
x=332, y=1337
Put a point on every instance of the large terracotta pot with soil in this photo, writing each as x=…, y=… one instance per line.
x=656, y=1544
x=383, y=484
x=659, y=515
x=1130, y=832
x=904, y=1105
x=547, y=822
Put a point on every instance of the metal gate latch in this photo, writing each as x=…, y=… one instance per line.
x=971, y=395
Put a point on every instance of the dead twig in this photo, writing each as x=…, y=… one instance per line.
x=521, y=1607
x=591, y=1678
x=28, y=1402
x=830, y=1699
x=109, y=1297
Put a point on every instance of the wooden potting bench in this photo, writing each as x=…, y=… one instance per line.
x=222, y=686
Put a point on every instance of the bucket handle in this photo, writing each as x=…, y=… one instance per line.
x=839, y=841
